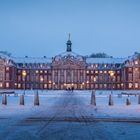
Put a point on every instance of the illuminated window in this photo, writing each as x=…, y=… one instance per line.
x=36, y=71
x=7, y=68
x=45, y=85
x=130, y=85
x=96, y=71
x=105, y=85
x=45, y=71
x=136, y=69
x=19, y=85
x=41, y=71
x=87, y=71
x=105, y=72
x=7, y=85
x=1, y=84
x=41, y=78
x=118, y=85
x=136, y=85
x=101, y=72
x=105, y=65
x=136, y=62
x=94, y=79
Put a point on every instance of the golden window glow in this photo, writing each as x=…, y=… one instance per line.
x=101, y=72
x=45, y=85
x=7, y=68
x=136, y=85
x=111, y=73
x=94, y=79
x=87, y=71
x=96, y=71
x=136, y=69
x=130, y=85
x=7, y=84
x=1, y=85
x=24, y=73
x=136, y=62
x=41, y=79
x=19, y=85
x=83, y=83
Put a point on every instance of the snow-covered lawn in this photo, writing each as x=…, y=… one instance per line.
x=66, y=115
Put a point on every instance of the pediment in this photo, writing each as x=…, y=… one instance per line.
x=68, y=63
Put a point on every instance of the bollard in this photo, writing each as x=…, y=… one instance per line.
x=4, y=99
x=93, y=98
x=128, y=102
x=110, y=103
x=21, y=99
x=36, y=99
x=138, y=99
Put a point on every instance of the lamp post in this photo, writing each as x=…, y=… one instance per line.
x=24, y=73
x=111, y=73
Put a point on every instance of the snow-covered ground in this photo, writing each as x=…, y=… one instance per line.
x=66, y=115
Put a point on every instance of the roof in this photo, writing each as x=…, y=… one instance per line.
x=32, y=60
x=134, y=56
x=4, y=56
x=105, y=60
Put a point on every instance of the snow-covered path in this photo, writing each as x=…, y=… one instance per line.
x=67, y=116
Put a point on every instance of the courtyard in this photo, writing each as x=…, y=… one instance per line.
x=69, y=115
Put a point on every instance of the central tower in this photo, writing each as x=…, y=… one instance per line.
x=69, y=44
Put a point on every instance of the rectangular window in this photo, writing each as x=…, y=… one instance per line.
x=130, y=85
x=1, y=85
x=7, y=85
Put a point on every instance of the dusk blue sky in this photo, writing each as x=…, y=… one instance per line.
x=41, y=27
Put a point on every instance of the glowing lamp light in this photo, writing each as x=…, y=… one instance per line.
x=111, y=73
x=24, y=73
x=41, y=79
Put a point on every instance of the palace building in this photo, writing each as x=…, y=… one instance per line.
x=68, y=70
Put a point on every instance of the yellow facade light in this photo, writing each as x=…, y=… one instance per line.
x=41, y=79
x=111, y=73
x=24, y=73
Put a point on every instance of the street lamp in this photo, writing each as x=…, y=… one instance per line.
x=24, y=73
x=111, y=73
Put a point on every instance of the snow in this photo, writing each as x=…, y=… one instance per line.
x=67, y=115
x=31, y=59
x=105, y=60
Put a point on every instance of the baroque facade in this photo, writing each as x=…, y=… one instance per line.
x=68, y=70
